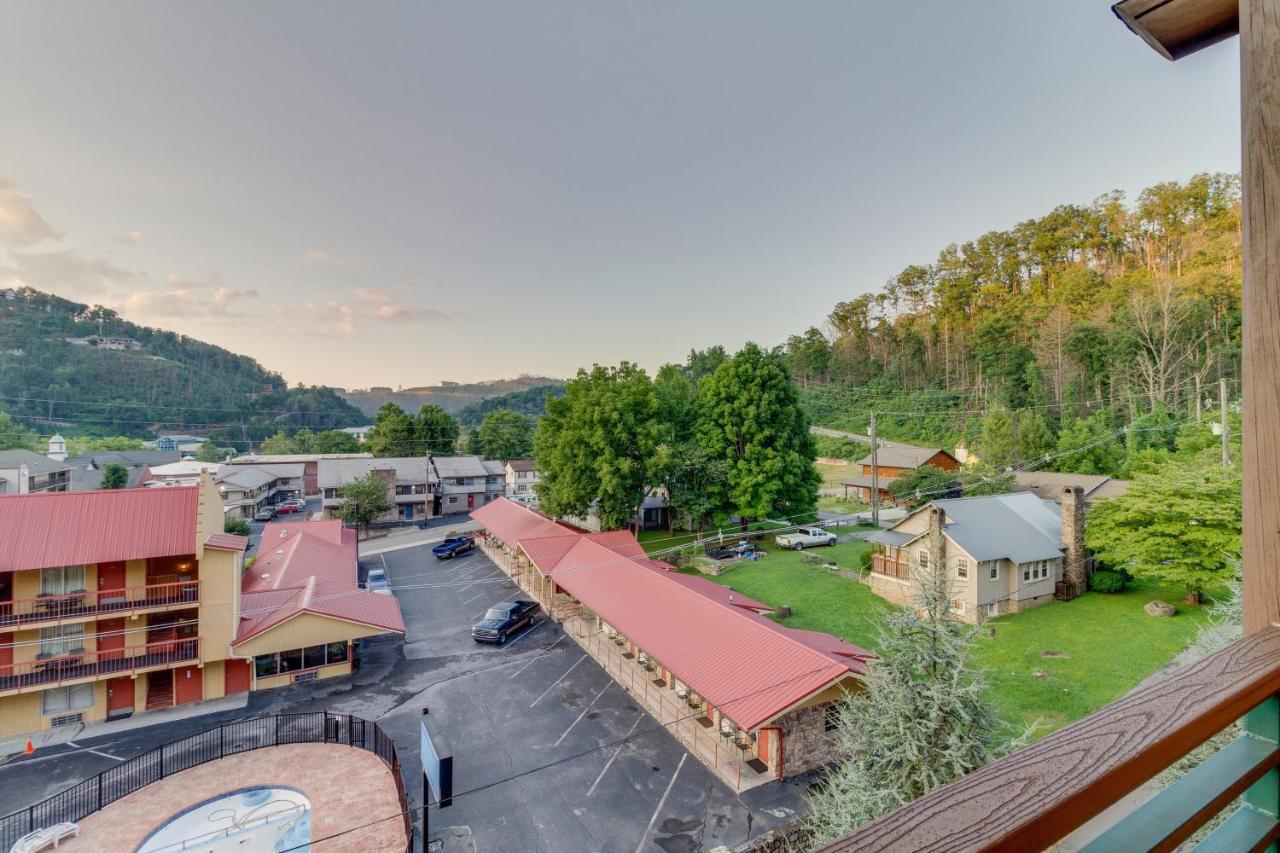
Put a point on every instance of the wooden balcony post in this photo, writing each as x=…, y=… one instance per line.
x=1260, y=136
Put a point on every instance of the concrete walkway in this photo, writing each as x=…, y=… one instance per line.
x=412, y=537
x=70, y=734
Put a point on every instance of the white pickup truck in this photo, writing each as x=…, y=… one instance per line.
x=805, y=537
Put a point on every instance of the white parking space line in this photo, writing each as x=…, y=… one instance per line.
x=474, y=597
x=557, y=681
x=583, y=714
x=538, y=655
x=662, y=802
x=615, y=755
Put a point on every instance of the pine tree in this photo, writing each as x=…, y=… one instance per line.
x=919, y=723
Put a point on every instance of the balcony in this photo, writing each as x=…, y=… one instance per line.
x=51, y=672
x=79, y=606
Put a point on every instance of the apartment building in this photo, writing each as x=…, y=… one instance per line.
x=248, y=488
x=522, y=480
x=310, y=464
x=124, y=601
x=467, y=482
x=409, y=481
x=25, y=472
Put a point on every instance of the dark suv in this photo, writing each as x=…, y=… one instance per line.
x=502, y=620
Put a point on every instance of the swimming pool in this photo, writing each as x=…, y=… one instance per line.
x=250, y=820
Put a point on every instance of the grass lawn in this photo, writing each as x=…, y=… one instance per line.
x=658, y=540
x=1100, y=646
x=833, y=474
x=820, y=600
x=1104, y=645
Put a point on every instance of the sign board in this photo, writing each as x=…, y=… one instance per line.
x=436, y=768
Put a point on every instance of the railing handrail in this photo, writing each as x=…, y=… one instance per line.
x=84, y=798
x=1039, y=794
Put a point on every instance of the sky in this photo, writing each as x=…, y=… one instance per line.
x=403, y=193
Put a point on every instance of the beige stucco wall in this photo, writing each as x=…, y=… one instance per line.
x=331, y=671
x=220, y=573
x=305, y=629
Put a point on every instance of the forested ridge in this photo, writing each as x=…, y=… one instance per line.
x=1110, y=310
x=170, y=383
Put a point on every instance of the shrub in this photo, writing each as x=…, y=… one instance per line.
x=1107, y=582
x=238, y=526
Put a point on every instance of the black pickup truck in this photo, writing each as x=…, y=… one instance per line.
x=502, y=620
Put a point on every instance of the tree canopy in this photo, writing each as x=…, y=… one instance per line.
x=364, y=500
x=114, y=476
x=504, y=435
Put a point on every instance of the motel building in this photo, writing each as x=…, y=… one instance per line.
x=123, y=601
x=754, y=700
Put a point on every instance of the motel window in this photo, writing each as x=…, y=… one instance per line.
x=453, y=499
x=265, y=666
x=313, y=656
x=59, y=700
x=61, y=580
x=61, y=640
x=291, y=661
x=831, y=718
x=993, y=570
x=962, y=568
x=332, y=493
x=922, y=558
x=337, y=652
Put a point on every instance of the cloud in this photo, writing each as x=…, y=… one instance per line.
x=368, y=306
x=319, y=257
x=132, y=238
x=66, y=273
x=204, y=298
x=20, y=224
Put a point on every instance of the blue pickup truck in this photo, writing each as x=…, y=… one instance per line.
x=453, y=546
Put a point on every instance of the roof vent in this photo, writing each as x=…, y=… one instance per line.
x=284, y=534
x=266, y=576
x=279, y=552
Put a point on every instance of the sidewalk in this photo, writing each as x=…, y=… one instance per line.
x=68, y=734
x=412, y=537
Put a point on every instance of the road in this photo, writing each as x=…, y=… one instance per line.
x=533, y=727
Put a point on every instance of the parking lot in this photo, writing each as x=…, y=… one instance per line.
x=549, y=753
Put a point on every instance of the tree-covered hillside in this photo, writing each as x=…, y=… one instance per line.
x=158, y=382
x=1112, y=307
x=532, y=401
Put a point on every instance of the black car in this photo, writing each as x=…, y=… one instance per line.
x=453, y=546
x=502, y=620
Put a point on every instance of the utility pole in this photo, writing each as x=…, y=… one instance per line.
x=1226, y=434
x=875, y=473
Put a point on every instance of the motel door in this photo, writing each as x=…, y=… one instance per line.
x=119, y=695
x=111, y=581
x=471, y=501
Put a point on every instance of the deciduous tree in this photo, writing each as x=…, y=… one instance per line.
x=503, y=435
x=435, y=432
x=114, y=476
x=364, y=499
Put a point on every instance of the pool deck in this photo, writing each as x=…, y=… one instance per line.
x=347, y=787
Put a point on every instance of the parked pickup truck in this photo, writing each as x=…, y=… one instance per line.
x=805, y=537
x=453, y=546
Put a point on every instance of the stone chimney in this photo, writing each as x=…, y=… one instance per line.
x=937, y=542
x=1075, y=575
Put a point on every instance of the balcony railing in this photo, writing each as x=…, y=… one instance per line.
x=54, y=671
x=90, y=603
x=1043, y=792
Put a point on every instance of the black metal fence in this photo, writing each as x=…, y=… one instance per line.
x=81, y=800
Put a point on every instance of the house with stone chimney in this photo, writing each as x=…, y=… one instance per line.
x=1001, y=553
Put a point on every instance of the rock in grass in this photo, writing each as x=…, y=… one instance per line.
x=1162, y=609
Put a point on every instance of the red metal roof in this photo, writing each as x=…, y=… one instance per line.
x=512, y=523
x=743, y=663
x=226, y=541
x=72, y=528
x=309, y=567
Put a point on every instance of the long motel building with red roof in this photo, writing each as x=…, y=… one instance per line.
x=116, y=602
x=752, y=699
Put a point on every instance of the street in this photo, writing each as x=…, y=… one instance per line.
x=549, y=753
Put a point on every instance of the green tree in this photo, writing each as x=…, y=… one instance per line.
x=596, y=444
x=435, y=431
x=750, y=418
x=1180, y=524
x=986, y=480
x=334, y=441
x=364, y=499
x=80, y=446
x=394, y=433
x=1034, y=438
x=235, y=525
x=503, y=434
x=921, y=485
x=997, y=447
x=209, y=452
x=114, y=476
x=15, y=436
x=920, y=722
x=677, y=402
x=1090, y=446
x=692, y=479
x=279, y=444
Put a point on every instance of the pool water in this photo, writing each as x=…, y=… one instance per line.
x=251, y=820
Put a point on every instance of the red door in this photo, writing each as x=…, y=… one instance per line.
x=6, y=653
x=110, y=582
x=471, y=501
x=188, y=684
x=119, y=695
x=762, y=745
x=110, y=639
x=237, y=676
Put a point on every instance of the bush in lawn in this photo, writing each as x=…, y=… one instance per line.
x=1107, y=582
